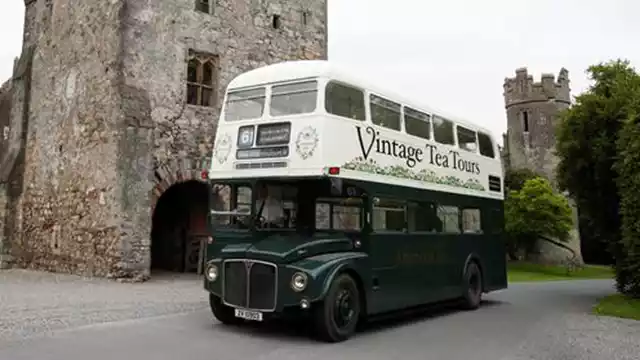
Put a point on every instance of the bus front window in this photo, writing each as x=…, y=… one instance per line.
x=244, y=104
x=292, y=99
x=231, y=206
x=276, y=206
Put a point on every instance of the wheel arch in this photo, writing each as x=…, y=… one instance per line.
x=474, y=258
x=349, y=269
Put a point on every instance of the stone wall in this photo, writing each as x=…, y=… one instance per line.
x=534, y=147
x=159, y=38
x=542, y=101
x=69, y=209
x=108, y=125
x=5, y=112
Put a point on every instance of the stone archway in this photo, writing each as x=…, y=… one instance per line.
x=178, y=223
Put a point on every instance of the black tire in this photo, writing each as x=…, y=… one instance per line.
x=222, y=312
x=336, y=318
x=472, y=286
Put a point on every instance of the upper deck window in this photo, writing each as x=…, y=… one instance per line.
x=486, y=145
x=466, y=139
x=385, y=112
x=417, y=123
x=443, y=130
x=345, y=101
x=290, y=99
x=244, y=104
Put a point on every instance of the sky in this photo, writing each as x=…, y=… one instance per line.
x=453, y=55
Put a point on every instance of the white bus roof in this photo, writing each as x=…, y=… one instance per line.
x=300, y=69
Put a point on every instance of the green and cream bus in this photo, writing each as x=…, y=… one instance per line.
x=337, y=200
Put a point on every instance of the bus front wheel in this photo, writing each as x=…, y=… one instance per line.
x=337, y=316
x=223, y=313
x=472, y=286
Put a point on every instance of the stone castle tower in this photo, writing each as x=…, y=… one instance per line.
x=110, y=116
x=532, y=113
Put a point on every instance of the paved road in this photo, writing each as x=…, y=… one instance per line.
x=527, y=321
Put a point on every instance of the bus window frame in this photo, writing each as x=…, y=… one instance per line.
x=266, y=96
x=364, y=92
x=374, y=200
x=362, y=215
x=234, y=186
x=320, y=87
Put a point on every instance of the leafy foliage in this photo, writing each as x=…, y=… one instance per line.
x=628, y=167
x=535, y=211
x=586, y=145
x=600, y=164
x=514, y=179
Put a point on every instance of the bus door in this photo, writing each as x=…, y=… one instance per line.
x=400, y=265
x=429, y=249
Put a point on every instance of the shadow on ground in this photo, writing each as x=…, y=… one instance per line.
x=302, y=331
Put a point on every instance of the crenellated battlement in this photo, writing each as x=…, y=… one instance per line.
x=524, y=89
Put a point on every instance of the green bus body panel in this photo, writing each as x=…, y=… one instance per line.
x=322, y=269
x=396, y=269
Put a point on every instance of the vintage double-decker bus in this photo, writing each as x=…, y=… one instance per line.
x=337, y=199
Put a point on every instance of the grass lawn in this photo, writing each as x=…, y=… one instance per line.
x=522, y=271
x=619, y=306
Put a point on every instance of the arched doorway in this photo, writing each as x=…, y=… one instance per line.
x=178, y=225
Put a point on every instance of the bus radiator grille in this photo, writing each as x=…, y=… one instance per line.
x=250, y=284
x=235, y=283
x=262, y=286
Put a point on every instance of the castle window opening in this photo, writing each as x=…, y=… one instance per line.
x=203, y=6
x=202, y=72
x=305, y=17
x=525, y=121
x=276, y=22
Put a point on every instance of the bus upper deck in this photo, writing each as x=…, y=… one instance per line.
x=313, y=118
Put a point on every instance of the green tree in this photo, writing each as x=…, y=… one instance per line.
x=628, y=167
x=594, y=138
x=514, y=179
x=586, y=146
x=535, y=212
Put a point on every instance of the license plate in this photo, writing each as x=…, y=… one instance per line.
x=249, y=315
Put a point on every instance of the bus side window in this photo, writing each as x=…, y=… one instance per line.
x=345, y=101
x=422, y=217
x=385, y=112
x=450, y=217
x=467, y=139
x=471, y=221
x=389, y=215
x=486, y=145
x=443, y=131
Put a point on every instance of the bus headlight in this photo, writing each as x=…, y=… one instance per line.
x=299, y=281
x=211, y=273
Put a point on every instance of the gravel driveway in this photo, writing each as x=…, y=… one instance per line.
x=33, y=303
x=535, y=321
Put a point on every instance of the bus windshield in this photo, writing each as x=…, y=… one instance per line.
x=304, y=205
x=293, y=98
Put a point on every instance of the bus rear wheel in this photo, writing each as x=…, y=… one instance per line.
x=472, y=286
x=337, y=316
x=222, y=312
